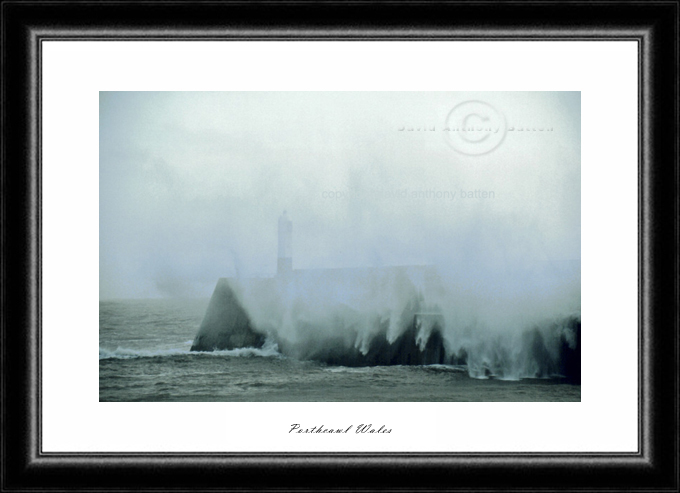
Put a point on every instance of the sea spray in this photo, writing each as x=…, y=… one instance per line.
x=399, y=316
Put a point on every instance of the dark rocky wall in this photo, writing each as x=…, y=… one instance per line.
x=548, y=351
x=226, y=324
x=341, y=350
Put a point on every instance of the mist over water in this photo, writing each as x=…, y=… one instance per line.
x=192, y=186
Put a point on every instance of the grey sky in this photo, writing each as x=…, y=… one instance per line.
x=192, y=184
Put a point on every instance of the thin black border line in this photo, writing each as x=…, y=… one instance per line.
x=641, y=422
x=316, y=35
x=644, y=163
x=37, y=85
x=642, y=123
x=395, y=34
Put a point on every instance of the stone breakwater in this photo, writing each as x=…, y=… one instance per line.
x=415, y=335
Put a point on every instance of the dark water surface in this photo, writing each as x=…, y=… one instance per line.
x=144, y=356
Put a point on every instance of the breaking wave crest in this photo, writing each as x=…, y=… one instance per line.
x=399, y=316
x=269, y=350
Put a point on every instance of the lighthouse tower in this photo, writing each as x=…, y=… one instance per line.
x=285, y=256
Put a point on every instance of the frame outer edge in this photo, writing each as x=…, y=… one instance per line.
x=29, y=461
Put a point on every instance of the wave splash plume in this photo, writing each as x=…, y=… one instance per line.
x=398, y=316
x=268, y=350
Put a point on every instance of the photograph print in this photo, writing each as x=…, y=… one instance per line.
x=340, y=246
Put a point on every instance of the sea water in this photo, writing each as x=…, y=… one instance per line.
x=144, y=355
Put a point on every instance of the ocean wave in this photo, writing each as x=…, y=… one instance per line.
x=446, y=368
x=127, y=353
x=346, y=369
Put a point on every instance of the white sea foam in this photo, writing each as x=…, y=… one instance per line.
x=267, y=351
x=346, y=369
x=127, y=353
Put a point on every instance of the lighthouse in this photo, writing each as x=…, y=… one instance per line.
x=285, y=256
x=328, y=298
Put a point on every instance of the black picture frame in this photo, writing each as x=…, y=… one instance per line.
x=654, y=25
